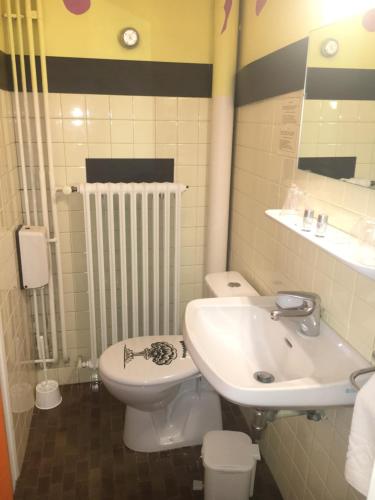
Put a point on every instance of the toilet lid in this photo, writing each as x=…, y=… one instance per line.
x=147, y=360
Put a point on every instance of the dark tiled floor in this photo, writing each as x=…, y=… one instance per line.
x=75, y=452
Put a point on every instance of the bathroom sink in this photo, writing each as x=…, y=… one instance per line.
x=254, y=361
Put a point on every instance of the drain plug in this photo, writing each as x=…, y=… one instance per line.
x=264, y=377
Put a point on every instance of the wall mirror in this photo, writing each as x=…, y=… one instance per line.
x=338, y=121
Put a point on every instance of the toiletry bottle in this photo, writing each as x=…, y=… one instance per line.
x=308, y=219
x=321, y=225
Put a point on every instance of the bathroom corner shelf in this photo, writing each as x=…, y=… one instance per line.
x=341, y=245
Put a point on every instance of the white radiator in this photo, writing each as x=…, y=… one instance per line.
x=133, y=260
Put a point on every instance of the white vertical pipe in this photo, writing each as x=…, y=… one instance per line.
x=145, y=262
x=30, y=15
x=21, y=150
x=112, y=264
x=123, y=265
x=26, y=110
x=31, y=169
x=156, y=230
x=167, y=203
x=219, y=169
x=101, y=270
x=134, y=257
x=177, y=254
x=30, y=156
x=90, y=276
x=219, y=175
x=52, y=184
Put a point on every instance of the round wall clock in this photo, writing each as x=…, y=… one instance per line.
x=129, y=38
x=329, y=47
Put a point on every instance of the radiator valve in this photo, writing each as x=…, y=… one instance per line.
x=81, y=363
x=95, y=382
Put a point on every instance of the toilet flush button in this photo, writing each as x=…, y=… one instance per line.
x=234, y=284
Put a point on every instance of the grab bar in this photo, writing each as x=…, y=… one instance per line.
x=357, y=373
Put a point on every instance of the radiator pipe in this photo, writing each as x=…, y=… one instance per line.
x=30, y=16
x=51, y=178
x=77, y=189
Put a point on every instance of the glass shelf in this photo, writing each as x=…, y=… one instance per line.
x=341, y=245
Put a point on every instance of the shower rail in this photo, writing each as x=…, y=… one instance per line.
x=133, y=233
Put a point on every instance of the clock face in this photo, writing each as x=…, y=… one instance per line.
x=129, y=37
x=329, y=47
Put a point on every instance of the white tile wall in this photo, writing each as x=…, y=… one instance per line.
x=129, y=127
x=307, y=459
x=15, y=319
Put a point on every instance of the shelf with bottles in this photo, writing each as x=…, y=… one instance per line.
x=357, y=252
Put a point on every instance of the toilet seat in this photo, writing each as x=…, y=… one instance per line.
x=149, y=360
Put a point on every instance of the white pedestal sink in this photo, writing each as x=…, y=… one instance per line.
x=231, y=339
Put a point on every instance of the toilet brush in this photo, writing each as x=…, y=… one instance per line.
x=47, y=392
x=43, y=354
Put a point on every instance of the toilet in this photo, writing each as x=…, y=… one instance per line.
x=168, y=402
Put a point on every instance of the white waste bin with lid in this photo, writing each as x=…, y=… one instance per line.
x=229, y=460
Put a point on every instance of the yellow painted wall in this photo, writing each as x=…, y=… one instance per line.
x=357, y=46
x=170, y=30
x=282, y=22
x=2, y=39
x=225, y=51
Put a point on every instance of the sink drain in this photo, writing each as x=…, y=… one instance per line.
x=264, y=377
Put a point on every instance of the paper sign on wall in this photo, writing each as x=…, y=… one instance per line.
x=289, y=115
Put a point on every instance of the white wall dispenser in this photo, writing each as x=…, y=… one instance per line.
x=32, y=250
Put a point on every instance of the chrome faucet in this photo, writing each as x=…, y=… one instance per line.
x=299, y=304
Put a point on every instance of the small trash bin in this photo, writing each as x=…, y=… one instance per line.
x=229, y=460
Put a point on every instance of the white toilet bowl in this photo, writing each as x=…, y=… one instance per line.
x=169, y=404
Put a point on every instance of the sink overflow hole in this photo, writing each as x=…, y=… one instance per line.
x=264, y=377
x=288, y=342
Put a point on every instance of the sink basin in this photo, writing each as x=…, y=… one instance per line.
x=231, y=339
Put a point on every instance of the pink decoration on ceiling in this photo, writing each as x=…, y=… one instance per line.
x=227, y=9
x=77, y=6
x=259, y=6
x=368, y=20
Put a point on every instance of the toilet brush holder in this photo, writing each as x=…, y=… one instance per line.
x=48, y=395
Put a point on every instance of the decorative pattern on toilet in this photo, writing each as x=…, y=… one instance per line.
x=161, y=353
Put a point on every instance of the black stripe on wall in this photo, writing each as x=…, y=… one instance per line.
x=337, y=167
x=130, y=170
x=277, y=73
x=6, y=82
x=340, y=84
x=111, y=76
x=108, y=76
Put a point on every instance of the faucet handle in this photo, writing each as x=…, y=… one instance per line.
x=296, y=299
x=291, y=304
